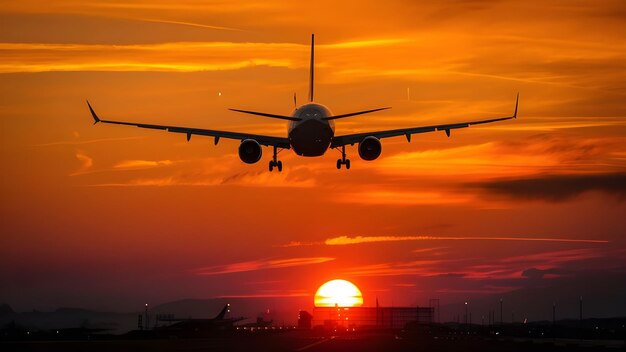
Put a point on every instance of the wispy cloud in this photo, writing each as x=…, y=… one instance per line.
x=210, y=175
x=390, y=197
x=538, y=265
x=554, y=257
x=269, y=294
x=417, y=267
x=81, y=142
x=86, y=162
x=134, y=164
x=189, y=24
x=181, y=56
x=557, y=187
x=254, y=265
x=299, y=244
x=346, y=240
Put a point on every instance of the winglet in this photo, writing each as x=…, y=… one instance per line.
x=96, y=119
x=516, y=104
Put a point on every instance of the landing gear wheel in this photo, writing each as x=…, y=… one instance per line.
x=343, y=161
x=275, y=162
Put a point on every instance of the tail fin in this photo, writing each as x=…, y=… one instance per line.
x=311, y=75
x=223, y=312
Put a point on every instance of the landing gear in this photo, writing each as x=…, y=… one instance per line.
x=343, y=160
x=275, y=162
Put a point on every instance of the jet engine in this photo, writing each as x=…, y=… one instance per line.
x=250, y=151
x=370, y=148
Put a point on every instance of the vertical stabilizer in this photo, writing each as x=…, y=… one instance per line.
x=223, y=312
x=311, y=75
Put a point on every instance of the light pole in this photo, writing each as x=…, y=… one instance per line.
x=147, y=322
x=466, y=316
x=501, y=319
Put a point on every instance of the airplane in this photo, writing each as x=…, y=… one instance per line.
x=310, y=133
x=219, y=322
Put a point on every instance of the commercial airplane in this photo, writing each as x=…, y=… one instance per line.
x=311, y=131
x=219, y=322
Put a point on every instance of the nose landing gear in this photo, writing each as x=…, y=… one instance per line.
x=343, y=160
x=275, y=163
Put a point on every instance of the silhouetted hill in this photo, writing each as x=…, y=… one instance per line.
x=535, y=303
x=280, y=309
x=64, y=318
x=5, y=309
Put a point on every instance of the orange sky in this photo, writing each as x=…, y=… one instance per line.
x=89, y=211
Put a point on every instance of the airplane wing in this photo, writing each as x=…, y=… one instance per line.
x=339, y=141
x=279, y=142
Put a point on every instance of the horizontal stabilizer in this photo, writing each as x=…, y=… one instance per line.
x=282, y=117
x=354, y=113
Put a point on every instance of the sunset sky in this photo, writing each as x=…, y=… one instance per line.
x=110, y=217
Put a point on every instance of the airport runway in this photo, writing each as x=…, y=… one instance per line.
x=302, y=341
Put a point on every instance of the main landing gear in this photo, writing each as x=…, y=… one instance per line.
x=343, y=160
x=275, y=162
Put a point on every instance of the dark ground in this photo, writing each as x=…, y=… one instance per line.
x=311, y=341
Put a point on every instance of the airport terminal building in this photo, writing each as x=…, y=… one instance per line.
x=371, y=317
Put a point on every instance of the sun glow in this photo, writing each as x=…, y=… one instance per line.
x=340, y=293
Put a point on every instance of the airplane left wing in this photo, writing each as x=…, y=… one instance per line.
x=279, y=142
x=339, y=141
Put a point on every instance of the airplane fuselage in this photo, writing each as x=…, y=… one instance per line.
x=312, y=134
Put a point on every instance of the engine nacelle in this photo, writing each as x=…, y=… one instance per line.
x=250, y=151
x=370, y=148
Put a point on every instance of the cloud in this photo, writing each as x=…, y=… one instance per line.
x=544, y=264
x=299, y=244
x=390, y=197
x=412, y=268
x=536, y=154
x=270, y=294
x=503, y=271
x=190, y=24
x=161, y=57
x=255, y=265
x=245, y=179
x=537, y=274
x=555, y=257
x=134, y=164
x=557, y=188
x=433, y=250
x=90, y=141
x=86, y=162
x=346, y=240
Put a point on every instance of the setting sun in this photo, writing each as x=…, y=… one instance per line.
x=338, y=292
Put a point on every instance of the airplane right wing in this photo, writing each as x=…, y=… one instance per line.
x=339, y=141
x=279, y=142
